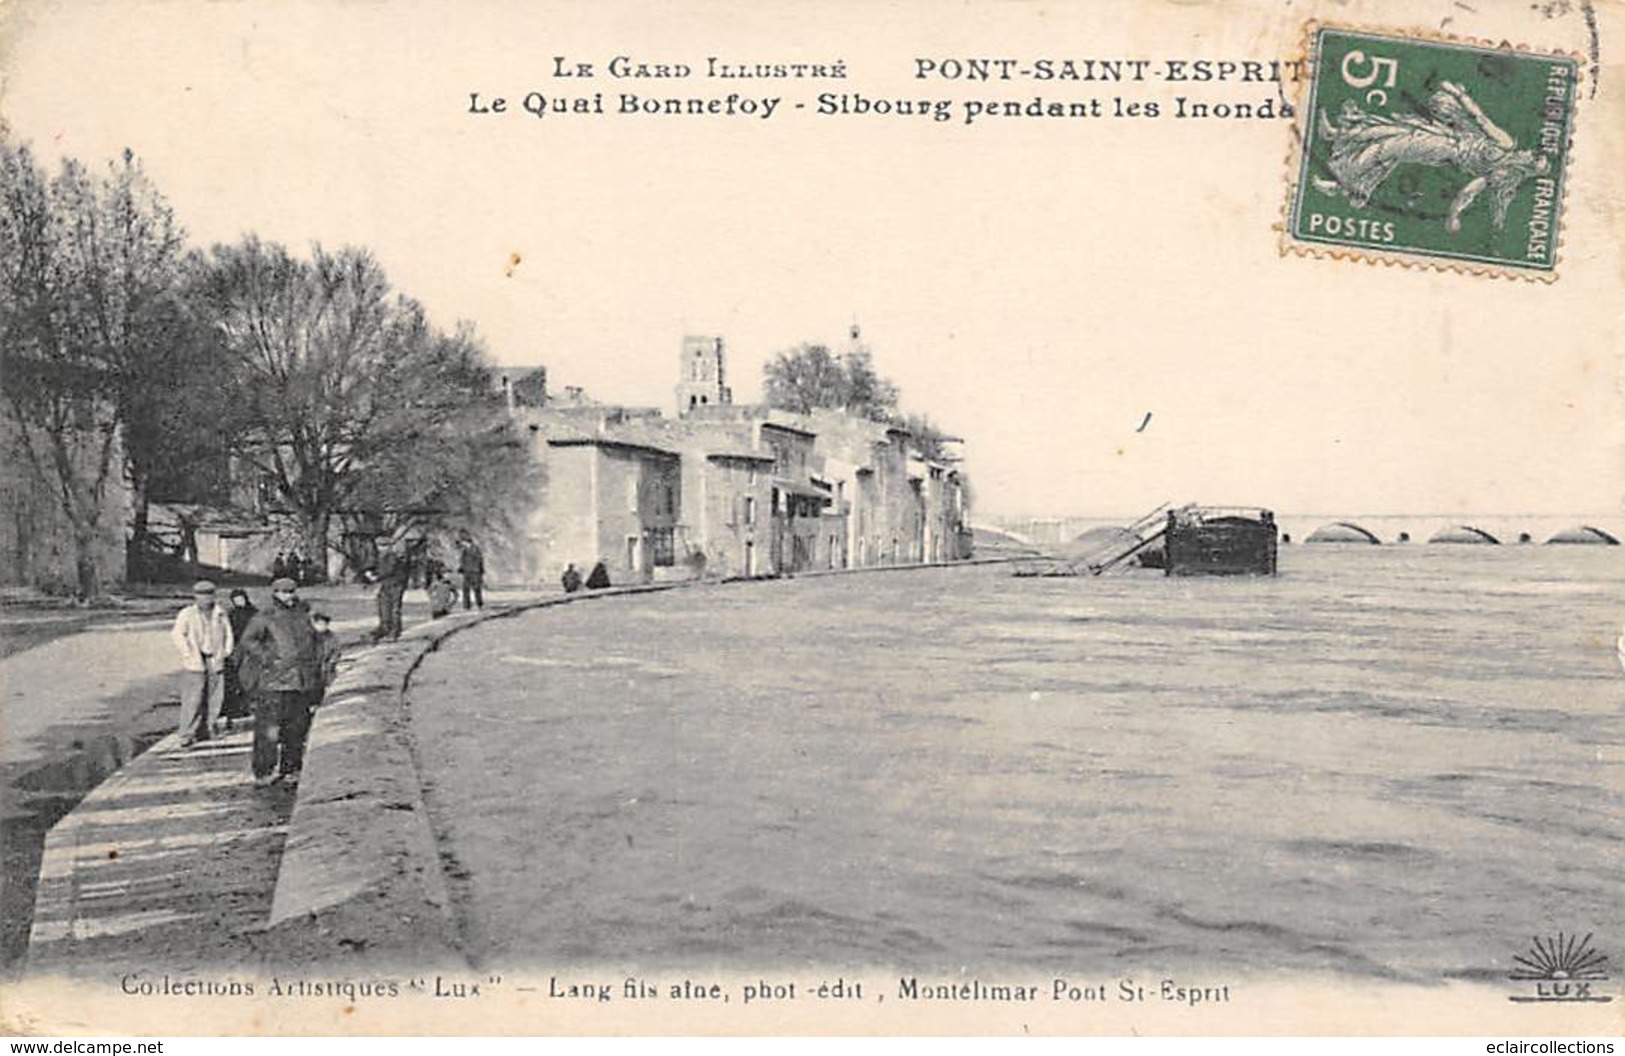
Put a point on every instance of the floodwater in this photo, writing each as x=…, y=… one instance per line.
x=1388, y=762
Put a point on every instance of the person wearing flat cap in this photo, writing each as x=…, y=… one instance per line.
x=202, y=635
x=290, y=685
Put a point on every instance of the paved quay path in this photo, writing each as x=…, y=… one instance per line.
x=173, y=859
x=169, y=861
x=76, y=708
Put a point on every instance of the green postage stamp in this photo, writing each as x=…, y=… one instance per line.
x=1433, y=151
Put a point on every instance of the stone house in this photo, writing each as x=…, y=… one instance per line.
x=730, y=522
x=611, y=493
x=618, y=503
x=798, y=499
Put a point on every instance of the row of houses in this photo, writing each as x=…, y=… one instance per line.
x=733, y=490
x=720, y=489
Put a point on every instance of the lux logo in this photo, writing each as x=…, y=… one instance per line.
x=1562, y=969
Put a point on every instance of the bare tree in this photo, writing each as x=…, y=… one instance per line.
x=351, y=403
x=178, y=420
x=88, y=268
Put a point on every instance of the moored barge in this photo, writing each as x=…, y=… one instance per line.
x=1188, y=540
x=1219, y=541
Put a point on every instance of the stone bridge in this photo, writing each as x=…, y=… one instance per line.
x=1386, y=528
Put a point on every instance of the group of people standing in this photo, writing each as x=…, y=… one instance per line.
x=272, y=664
x=294, y=565
x=399, y=562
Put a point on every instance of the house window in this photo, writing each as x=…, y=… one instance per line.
x=668, y=500
x=661, y=548
x=750, y=510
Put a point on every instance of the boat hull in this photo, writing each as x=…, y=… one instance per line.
x=1220, y=546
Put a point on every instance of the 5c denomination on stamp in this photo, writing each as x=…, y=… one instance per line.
x=1432, y=151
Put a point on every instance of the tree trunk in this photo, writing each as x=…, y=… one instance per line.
x=137, y=552
x=85, y=565
x=316, y=544
x=140, y=517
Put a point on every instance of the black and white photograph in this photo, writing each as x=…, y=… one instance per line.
x=720, y=518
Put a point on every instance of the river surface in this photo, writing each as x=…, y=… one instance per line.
x=1388, y=762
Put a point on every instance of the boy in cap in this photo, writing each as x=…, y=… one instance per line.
x=327, y=650
x=202, y=635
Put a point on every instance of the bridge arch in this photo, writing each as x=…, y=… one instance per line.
x=988, y=535
x=1584, y=534
x=1463, y=533
x=1342, y=532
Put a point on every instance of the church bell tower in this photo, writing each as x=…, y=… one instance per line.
x=702, y=380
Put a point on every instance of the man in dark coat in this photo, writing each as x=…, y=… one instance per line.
x=471, y=563
x=391, y=573
x=284, y=643
x=598, y=578
x=571, y=578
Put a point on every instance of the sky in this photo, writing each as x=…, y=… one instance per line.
x=1037, y=286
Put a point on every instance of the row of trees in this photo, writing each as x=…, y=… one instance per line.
x=127, y=357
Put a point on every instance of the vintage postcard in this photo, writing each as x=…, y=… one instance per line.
x=817, y=518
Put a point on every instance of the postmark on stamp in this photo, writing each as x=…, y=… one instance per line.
x=1431, y=151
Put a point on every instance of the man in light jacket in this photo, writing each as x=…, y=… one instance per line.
x=202, y=635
